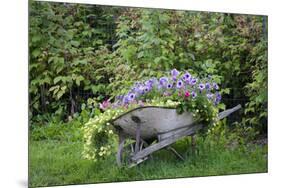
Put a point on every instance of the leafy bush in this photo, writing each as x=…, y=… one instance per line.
x=67, y=47
x=257, y=91
x=101, y=51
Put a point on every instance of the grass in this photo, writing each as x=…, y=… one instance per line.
x=60, y=163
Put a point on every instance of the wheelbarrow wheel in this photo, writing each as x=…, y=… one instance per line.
x=126, y=151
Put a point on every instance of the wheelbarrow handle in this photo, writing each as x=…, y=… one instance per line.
x=228, y=112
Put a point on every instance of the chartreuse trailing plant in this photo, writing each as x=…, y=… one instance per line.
x=182, y=91
x=100, y=140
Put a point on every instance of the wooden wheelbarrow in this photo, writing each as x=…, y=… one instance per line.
x=143, y=126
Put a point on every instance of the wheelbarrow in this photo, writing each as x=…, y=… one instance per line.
x=151, y=128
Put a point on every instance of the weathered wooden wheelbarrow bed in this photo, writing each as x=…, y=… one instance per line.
x=151, y=123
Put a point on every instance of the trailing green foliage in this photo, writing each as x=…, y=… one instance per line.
x=99, y=138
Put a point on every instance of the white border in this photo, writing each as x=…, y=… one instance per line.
x=13, y=105
x=249, y=6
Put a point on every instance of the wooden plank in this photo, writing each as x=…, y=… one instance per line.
x=166, y=142
x=163, y=136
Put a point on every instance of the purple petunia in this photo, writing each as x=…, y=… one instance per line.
x=210, y=96
x=215, y=85
x=138, y=90
x=131, y=96
x=175, y=73
x=208, y=86
x=218, y=98
x=169, y=86
x=119, y=97
x=193, y=81
x=179, y=84
x=149, y=83
x=187, y=76
x=146, y=89
x=126, y=100
x=183, y=78
x=193, y=94
x=163, y=81
x=201, y=86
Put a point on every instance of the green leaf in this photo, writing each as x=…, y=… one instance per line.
x=221, y=106
x=79, y=79
x=98, y=77
x=57, y=79
x=75, y=43
x=36, y=52
x=83, y=106
x=36, y=38
x=192, y=56
x=140, y=54
x=157, y=60
x=80, y=61
x=53, y=88
x=226, y=90
x=60, y=94
x=63, y=88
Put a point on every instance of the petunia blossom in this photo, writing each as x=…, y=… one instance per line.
x=163, y=81
x=105, y=104
x=193, y=94
x=169, y=86
x=187, y=94
x=193, y=81
x=215, y=86
x=175, y=73
x=179, y=84
x=201, y=87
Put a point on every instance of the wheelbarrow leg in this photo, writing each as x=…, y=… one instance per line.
x=193, y=143
x=137, y=146
x=120, y=149
x=175, y=152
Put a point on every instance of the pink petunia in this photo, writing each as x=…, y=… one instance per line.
x=105, y=104
x=187, y=94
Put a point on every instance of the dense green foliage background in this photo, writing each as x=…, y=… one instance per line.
x=83, y=54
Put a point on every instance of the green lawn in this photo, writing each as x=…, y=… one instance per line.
x=58, y=163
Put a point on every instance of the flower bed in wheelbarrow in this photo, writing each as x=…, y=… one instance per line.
x=153, y=115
